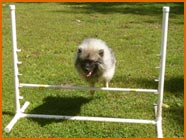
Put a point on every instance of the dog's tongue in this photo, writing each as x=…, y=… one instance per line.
x=89, y=74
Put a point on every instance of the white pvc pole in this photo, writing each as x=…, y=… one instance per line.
x=86, y=118
x=26, y=104
x=15, y=58
x=88, y=88
x=12, y=123
x=16, y=117
x=162, y=70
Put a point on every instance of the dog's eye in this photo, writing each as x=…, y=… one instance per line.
x=101, y=52
x=79, y=50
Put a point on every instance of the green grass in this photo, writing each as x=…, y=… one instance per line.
x=48, y=34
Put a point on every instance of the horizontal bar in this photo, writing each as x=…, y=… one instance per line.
x=83, y=118
x=89, y=88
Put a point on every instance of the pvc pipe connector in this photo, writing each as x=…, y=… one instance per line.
x=12, y=7
x=166, y=9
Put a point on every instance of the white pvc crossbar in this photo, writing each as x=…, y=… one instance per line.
x=160, y=91
x=80, y=118
x=89, y=88
x=83, y=118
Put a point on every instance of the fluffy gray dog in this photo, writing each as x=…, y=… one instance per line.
x=95, y=61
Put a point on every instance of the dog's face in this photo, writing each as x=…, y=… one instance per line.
x=89, y=61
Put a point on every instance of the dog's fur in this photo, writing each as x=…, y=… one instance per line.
x=95, y=61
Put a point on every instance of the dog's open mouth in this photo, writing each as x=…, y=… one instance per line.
x=89, y=73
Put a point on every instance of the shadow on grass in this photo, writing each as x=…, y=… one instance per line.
x=173, y=85
x=9, y=113
x=68, y=106
x=138, y=82
x=176, y=113
x=124, y=8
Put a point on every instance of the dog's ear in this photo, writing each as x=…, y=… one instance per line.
x=79, y=50
x=101, y=52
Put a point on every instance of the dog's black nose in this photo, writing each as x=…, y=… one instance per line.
x=87, y=67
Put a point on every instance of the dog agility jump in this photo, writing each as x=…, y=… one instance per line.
x=159, y=91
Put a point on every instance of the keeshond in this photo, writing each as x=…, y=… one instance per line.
x=95, y=61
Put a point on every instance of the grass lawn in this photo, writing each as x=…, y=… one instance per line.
x=49, y=33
